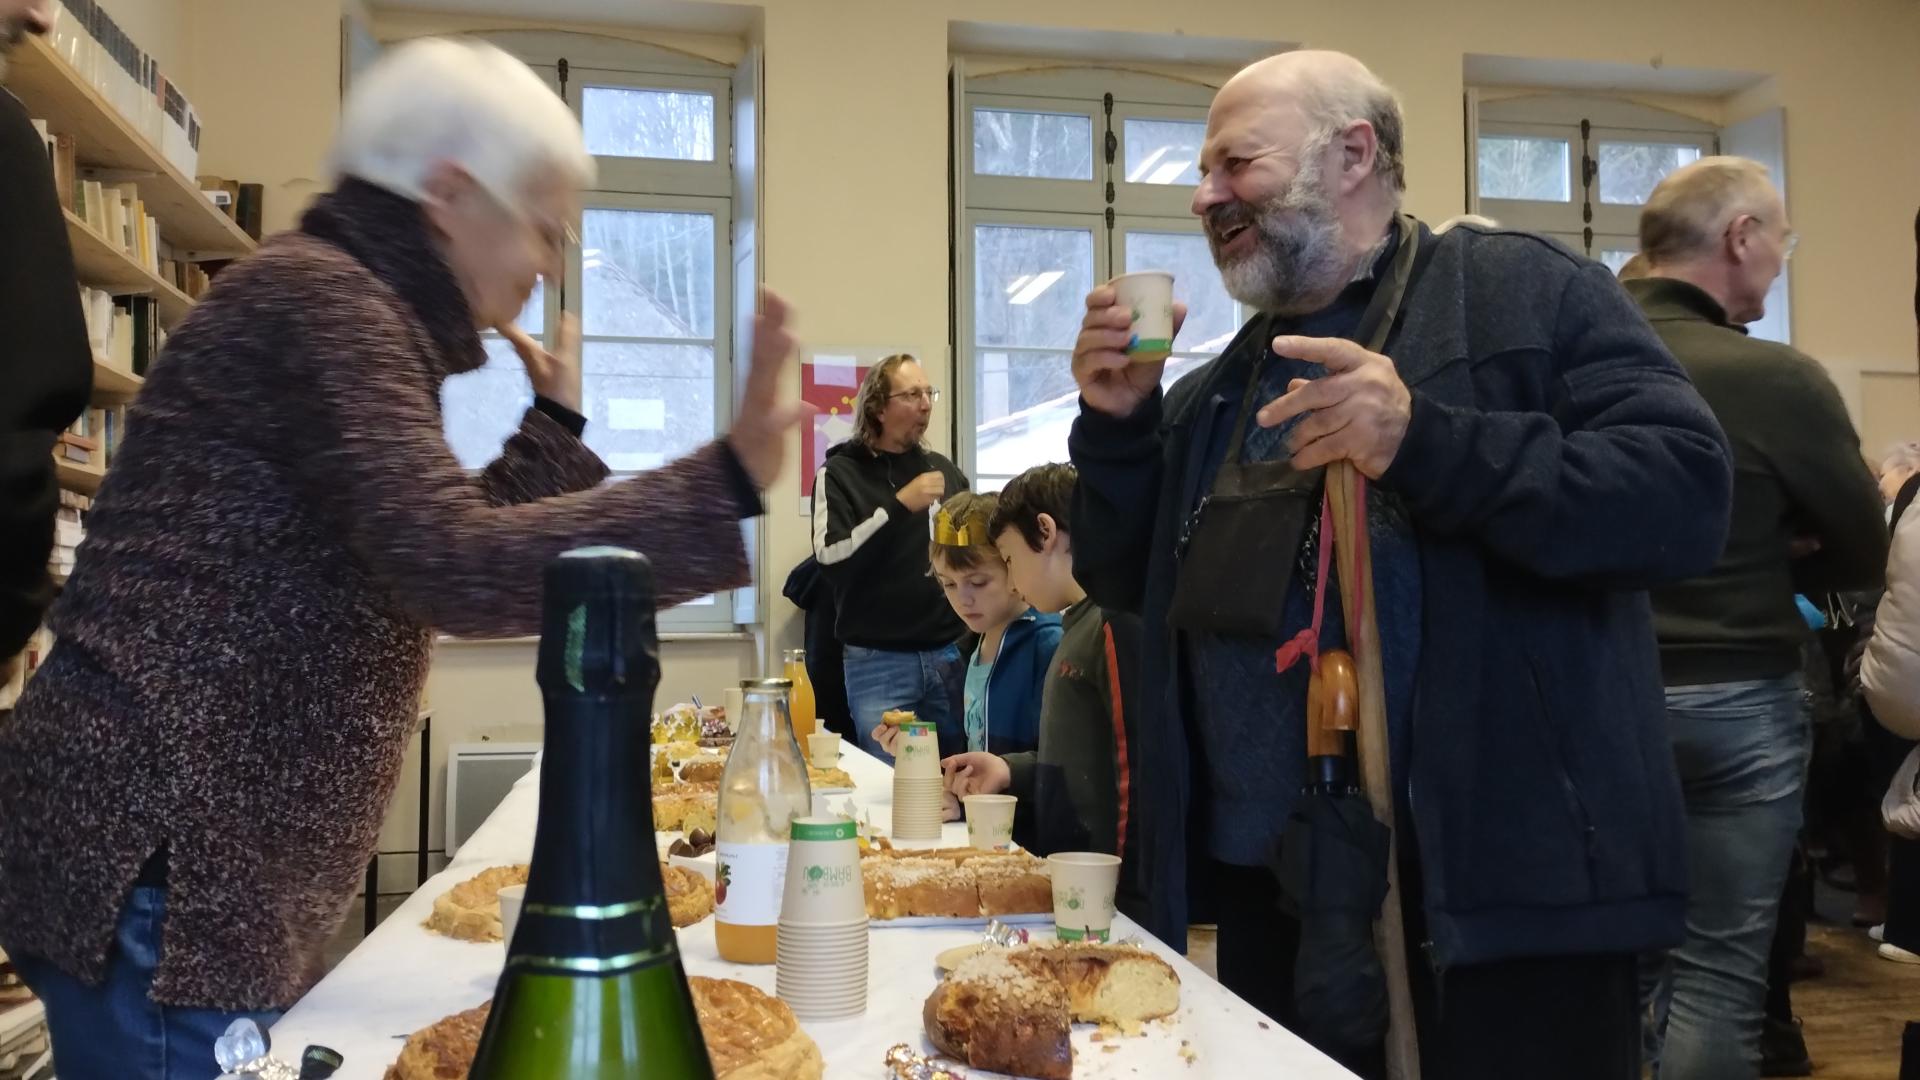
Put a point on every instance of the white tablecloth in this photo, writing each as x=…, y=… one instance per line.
x=402, y=978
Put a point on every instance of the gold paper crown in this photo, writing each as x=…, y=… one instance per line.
x=947, y=535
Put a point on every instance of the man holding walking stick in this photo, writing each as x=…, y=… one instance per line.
x=1532, y=460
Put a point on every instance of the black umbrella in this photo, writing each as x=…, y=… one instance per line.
x=1332, y=867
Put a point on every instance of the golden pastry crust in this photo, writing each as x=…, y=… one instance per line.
x=443, y=1050
x=685, y=807
x=750, y=1035
x=897, y=717
x=1011, y=1010
x=954, y=883
x=828, y=778
x=705, y=768
x=470, y=911
x=689, y=894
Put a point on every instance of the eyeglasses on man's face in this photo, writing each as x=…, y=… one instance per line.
x=919, y=395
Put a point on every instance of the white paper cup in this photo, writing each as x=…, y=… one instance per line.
x=511, y=898
x=821, y=972
x=823, y=873
x=919, y=753
x=1150, y=294
x=1083, y=886
x=824, y=748
x=990, y=821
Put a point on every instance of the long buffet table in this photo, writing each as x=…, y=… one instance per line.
x=402, y=978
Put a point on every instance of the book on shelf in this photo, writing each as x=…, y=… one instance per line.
x=248, y=208
x=103, y=427
x=103, y=55
x=65, y=170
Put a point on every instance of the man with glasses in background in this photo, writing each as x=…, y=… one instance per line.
x=1806, y=519
x=870, y=505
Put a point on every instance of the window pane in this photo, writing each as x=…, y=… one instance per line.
x=1163, y=151
x=1212, y=316
x=1053, y=146
x=1614, y=259
x=647, y=274
x=1629, y=170
x=533, y=317
x=646, y=404
x=1524, y=167
x=481, y=409
x=1027, y=404
x=1030, y=285
x=647, y=123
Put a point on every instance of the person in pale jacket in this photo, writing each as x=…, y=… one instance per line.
x=1890, y=681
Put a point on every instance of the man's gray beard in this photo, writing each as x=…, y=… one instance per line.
x=1300, y=259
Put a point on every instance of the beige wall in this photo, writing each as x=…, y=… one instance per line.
x=856, y=152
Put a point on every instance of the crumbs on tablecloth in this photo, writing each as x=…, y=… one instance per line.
x=1264, y=1026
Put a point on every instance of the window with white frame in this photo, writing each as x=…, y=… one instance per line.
x=1580, y=169
x=650, y=281
x=1068, y=178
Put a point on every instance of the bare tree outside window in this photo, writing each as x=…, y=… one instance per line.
x=1053, y=146
x=1517, y=167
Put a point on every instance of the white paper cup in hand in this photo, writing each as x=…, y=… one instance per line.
x=1149, y=294
x=1084, y=883
x=511, y=898
x=990, y=821
x=824, y=748
x=919, y=756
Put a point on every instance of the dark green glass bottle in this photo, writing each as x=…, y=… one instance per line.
x=593, y=988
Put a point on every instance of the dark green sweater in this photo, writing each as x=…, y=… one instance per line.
x=1798, y=473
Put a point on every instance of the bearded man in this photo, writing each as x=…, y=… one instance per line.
x=1536, y=461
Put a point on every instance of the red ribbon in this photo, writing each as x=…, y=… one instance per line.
x=1307, y=642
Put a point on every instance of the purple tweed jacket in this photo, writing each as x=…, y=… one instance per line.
x=241, y=648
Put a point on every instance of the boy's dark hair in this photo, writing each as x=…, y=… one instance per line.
x=1043, y=489
x=968, y=512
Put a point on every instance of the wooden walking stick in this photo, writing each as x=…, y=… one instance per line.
x=1346, y=491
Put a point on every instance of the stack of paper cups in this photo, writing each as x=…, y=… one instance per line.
x=917, y=785
x=820, y=956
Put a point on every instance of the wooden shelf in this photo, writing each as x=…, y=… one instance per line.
x=84, y=479
x=104, y=139
x=111, y=386
x=104, y=266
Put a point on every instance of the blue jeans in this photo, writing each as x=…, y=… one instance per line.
x=1742, y=751
x=114, y=1031
x=927, y=683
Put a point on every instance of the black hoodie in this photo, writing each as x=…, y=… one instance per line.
x=874, y=550
x=46, y=368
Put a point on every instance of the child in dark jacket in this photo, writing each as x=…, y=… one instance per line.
x=1001, y=707
x=1074, y=786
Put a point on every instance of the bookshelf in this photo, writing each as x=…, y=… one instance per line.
x=111, y=386
x=53, y=91
x=104, y=266
x=84, y=479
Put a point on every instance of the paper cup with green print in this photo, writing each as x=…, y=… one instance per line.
x=823, y=874
x=990, y=821
x=1149, y=295
x=1084, y=883
x=919, y=756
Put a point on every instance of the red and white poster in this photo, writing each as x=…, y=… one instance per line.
x=830, y=382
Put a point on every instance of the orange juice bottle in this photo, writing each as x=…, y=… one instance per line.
x=800, y=707
x=763, y=788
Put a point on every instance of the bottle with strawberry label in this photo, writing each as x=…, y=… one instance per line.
x=763, y=788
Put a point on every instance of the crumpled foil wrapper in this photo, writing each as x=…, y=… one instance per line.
x=242, y=1052
x=904, y=1064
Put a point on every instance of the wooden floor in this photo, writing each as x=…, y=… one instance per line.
x=1854, y=1014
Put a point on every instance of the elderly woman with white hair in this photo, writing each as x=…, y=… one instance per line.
x=193, y=783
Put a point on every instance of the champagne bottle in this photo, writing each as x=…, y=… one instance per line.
x=593, y=986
